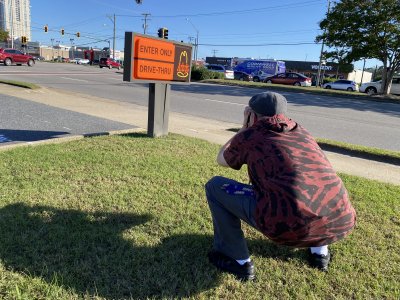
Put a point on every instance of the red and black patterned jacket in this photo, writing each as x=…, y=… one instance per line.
x=301, y=201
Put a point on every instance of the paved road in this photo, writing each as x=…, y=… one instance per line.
x=26, y=121
x=349, y=120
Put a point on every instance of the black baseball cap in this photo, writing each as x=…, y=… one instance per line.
x=268, y=104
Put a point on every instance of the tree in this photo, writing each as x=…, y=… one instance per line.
x=365, y=29
x=3, y=35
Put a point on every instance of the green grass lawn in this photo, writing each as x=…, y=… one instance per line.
x=26, y=85
x=121, y=217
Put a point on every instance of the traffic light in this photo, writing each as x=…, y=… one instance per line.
x=78, y=34
x=62, y=31
x=23, y=39
x=46, y=28
x=161, y=33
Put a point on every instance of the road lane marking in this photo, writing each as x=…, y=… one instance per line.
x=224, y=102
x=74, y=79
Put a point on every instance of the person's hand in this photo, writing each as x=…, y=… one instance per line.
x=249, y=117
x=246, y=116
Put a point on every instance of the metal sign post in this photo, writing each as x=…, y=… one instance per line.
x=157, y=123
x=159, y=62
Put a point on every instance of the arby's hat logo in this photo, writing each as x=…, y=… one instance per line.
x=183, y=65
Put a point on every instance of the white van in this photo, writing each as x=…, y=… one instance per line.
x=375, y=86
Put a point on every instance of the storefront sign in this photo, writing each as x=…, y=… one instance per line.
x=326, y=68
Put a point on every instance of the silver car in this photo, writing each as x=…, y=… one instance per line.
x=342, y=84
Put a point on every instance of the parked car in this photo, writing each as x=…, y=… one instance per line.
x=260, y=76
x=109, y=63
x=228, y=72
x=375, y=86
x=342, y=84
x=82, y=61
x=242, y=76
x=10, y=56
x=38, y=58
x=290, y=78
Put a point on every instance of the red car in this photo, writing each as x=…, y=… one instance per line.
x=291, y=78
x=10, y=56
x=109, y=63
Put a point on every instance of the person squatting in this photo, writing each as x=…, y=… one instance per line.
x=294, y=198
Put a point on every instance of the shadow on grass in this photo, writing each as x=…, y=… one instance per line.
x=86, y=253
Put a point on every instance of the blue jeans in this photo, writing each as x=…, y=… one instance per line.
x=227, y=210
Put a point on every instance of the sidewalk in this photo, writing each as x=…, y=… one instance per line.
x=212, y=131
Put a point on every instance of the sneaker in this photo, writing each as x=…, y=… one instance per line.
x=226, y=264
x=320, y=262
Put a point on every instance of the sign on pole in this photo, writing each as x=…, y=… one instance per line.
x=153, y=59
x=159, y=62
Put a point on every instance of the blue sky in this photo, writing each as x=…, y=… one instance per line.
x=284, y=29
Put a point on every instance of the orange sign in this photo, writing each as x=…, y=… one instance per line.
x=146, y=48
x=155, y=59
x=147, y=69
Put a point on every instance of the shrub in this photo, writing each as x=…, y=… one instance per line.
x=328, y=79
x=202, y=73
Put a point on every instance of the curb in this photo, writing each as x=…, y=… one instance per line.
x=326, y=147
x=369, y=156
x=59, y=140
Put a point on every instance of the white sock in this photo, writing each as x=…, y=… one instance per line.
x=323, y=250
x=243, y=261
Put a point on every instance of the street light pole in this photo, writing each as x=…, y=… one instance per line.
x=197, y=39
x=321, y=54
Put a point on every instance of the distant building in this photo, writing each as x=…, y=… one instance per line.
x=225, y=61
x=15, y=17
x=310, y=68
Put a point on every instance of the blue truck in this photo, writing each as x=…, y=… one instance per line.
x=261, y=68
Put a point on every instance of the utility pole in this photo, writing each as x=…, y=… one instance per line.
x=214, y=52
x=72, y=48
x=322, y=53
x=114, y=21
x=52, y=49
x=114, y=39
x=145, y=22
x=197, y=39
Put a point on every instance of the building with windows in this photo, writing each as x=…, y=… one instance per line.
x=15, y=17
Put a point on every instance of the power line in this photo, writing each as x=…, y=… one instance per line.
x=260, y=45
x=243, y=11
x=246, y=11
